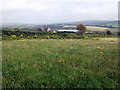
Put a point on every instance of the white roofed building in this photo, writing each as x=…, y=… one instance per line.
x=68, y=30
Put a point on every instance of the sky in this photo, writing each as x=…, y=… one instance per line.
x=57, y=11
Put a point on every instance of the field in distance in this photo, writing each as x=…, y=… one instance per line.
x=95, y=28
x=103, y=29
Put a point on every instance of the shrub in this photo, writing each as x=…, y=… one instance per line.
x=109, y=32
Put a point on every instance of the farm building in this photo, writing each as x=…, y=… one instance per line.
x=68, y=31
x=44, y=29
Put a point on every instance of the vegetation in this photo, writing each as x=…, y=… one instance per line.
x=109, y=32
x=34, y=59
x=36, y=63
x=18, y=34
x=81, y=28
x=0, y=64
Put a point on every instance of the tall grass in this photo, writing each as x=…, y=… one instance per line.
x=60, y=64
x=0, y=64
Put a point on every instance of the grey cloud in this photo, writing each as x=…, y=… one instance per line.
x=50, y=11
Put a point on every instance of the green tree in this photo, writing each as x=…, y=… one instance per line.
x=81, y=28
x=109, y=32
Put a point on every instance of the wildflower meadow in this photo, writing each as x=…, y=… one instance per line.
x=60, y=63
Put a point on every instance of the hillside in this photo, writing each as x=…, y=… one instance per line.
x=103, y=23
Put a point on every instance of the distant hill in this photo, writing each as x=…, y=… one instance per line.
x=100, y=23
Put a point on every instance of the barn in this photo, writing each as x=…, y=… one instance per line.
x=67, y=31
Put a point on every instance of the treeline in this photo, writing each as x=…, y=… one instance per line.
x=25, y=33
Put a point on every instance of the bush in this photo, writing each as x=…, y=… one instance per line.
x=109, y=32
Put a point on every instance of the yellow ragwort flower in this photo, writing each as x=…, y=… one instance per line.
x=21, y=41
x=85, y=37
x=61, y=60
x=100, y=48
x=95, y=38
x=101, y=53
x=13, y=36
x=48, y=37
x=21, y=35
x=35, y=36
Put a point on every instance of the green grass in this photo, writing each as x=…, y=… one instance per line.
x=36, y=64
x=94, y=28
x=0, y=65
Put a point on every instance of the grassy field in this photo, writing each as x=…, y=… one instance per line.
x=0, y=64
x=94, y=28
x=101, y=29
x=60, y=63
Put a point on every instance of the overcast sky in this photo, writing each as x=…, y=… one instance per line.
x=55, y=11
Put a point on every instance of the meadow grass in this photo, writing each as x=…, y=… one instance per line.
x=36, y=63
x=0, y=65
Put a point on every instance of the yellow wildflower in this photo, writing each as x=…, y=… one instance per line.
x=21, y=35
x=95, y=38
x=13, y=36
x=61, y=60
x=101, y=53
x=85, y=37
x=21, y=41
x=48, y=37
x=100, y=48
x=35, y=36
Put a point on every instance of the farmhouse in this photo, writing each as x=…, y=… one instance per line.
x=68, y=30
x=44, y=29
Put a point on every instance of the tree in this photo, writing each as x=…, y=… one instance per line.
x=109, y=32
x=81, y=29
x=118, y=33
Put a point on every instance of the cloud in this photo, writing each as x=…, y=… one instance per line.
x=50, y=11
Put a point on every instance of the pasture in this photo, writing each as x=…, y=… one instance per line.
x=65, y=63
x=101, y=29
x=94, y=28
